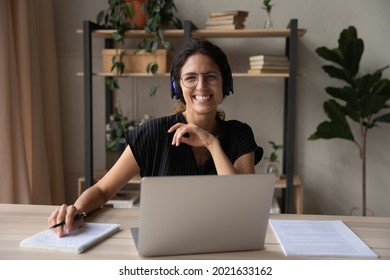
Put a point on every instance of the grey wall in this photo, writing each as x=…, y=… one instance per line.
x=330, y=170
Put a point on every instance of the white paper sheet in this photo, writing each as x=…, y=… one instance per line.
x=319, y=238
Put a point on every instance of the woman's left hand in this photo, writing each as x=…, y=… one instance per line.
x=198, y=137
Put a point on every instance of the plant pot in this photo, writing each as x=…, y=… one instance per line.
x=108, y=54
x=139, y=14
x=137, y=62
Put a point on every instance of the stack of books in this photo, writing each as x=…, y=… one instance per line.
x=268, y=64
x=226, y=20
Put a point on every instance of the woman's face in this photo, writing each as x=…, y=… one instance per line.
x=201, y=84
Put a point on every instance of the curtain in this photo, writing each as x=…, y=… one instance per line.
x=31, y=167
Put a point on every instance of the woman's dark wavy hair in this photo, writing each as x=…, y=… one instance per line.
x=197, y=45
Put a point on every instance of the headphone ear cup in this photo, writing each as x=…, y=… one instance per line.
x=229, y=85
x=174, y=90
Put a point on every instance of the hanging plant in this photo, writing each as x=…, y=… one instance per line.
x=160, y=16
x=116, y=17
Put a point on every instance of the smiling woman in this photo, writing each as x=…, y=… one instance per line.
x=194, y=141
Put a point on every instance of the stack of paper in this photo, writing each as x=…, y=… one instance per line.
x=260, y=64
x=226, y=20
x=319, y=239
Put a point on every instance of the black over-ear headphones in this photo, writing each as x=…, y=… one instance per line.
x=227, y=85
x=175, y=91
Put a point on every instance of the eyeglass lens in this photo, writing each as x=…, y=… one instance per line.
x=190, y=80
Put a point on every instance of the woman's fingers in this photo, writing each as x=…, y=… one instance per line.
x=189, y=134
x=66, y=214
x=180, y=130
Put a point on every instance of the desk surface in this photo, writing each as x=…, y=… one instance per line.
x=20, y=221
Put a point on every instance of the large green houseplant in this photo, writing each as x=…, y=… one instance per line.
x=363, y=99
x=160, y=16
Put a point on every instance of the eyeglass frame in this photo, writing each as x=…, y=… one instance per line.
x=203, y=73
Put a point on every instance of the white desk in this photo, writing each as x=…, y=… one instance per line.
x=20, y=221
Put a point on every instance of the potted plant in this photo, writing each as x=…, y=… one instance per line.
x=139, y=18
x=115, y=135
x=272, y=167
x=363, y=98
x=116, y=129
x=160, y=15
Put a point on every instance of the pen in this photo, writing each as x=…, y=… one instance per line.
x=77, y=217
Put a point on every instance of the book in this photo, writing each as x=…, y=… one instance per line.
x=268, y=63
x=224, y=22
x=229, y=26
x=270, y=67
x=268, y=58
x=229, y=21
x=319, y=239
x=227, y=17
x=267, y=71
x=76, y=242
x=228, y=13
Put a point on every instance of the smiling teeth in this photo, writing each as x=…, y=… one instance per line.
x=202, y=98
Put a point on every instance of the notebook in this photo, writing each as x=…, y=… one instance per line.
x=203, y=214
x=76, y=242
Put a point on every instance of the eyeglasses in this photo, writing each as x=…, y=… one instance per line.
x=212, y=78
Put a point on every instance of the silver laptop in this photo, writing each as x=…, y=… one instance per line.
x=203, y=214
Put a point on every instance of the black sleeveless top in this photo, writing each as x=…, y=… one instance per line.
x=156, y=156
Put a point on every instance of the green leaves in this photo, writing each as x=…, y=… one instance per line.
x=112, y=83
x=362, y=98
x=119, y=67
x=352, y=49
x=160, y=14
x=337, y=127
x=347, y=55
x=267, y=5
x=115, y=129
x=116, y=17
x=275, y=147
x=152, y=68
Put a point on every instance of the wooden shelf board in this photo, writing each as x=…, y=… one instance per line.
x=107, y=33
x=128, y=75
x=205, y=33
x=245, y=33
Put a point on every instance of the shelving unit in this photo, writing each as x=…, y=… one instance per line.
x=291, y=34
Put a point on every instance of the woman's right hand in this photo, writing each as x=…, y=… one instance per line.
x=64, y=213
